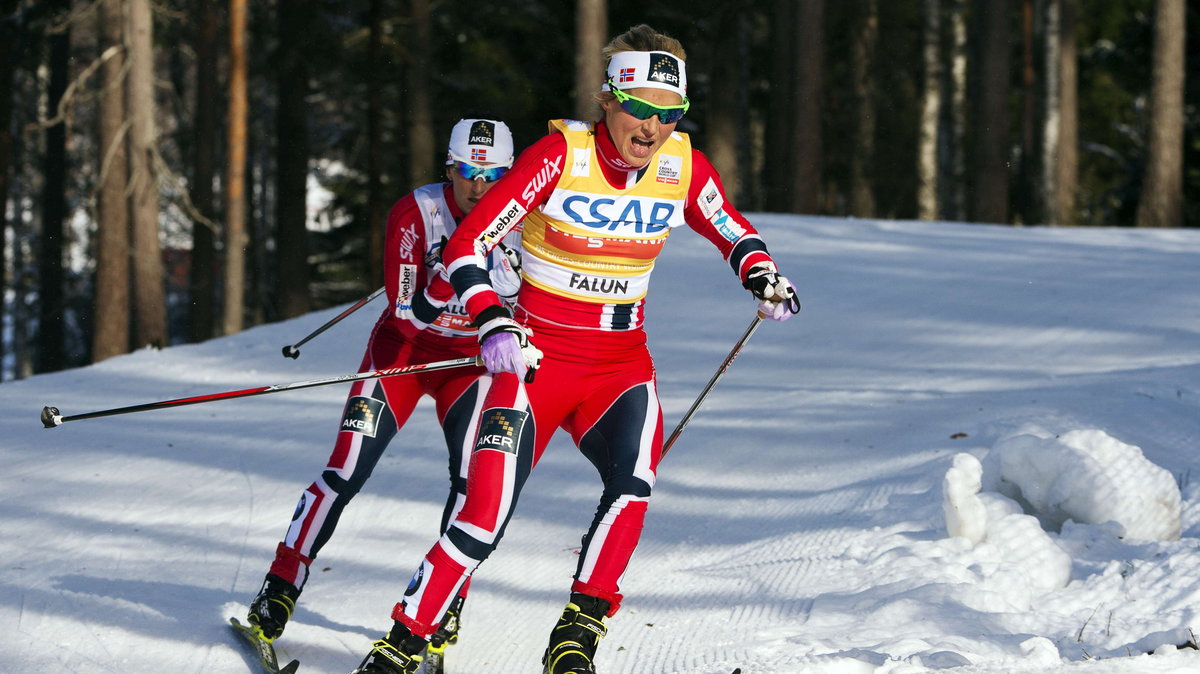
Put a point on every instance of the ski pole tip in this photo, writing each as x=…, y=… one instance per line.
x=51, y=417
x=290, y=351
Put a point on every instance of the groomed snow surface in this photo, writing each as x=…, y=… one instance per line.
x=975, y=450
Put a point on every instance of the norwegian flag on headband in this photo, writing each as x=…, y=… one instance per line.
x=626, y=75
x=478, y=154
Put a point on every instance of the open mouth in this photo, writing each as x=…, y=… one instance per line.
x=641, y=147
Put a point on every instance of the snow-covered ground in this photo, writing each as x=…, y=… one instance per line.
x=939, y=377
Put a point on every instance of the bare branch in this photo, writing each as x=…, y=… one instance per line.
x=185, y=202
x=60, y=115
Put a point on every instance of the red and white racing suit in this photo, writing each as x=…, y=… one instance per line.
x=419, y=325
x=591, y=234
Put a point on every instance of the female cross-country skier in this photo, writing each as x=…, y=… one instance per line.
x=419, y=325
x=598, y=201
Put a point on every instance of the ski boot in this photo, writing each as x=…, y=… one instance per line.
x=446, y=635
x=270, y=610
x=574, y=639
x=397, y=653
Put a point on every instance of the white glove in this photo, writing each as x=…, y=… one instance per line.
x=777, y=295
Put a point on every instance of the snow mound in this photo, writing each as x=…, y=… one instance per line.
x=1089, y=477
x=1018, y=559
x=966, y=514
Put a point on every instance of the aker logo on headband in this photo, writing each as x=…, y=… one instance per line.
x=664, y=69
x=483, y=132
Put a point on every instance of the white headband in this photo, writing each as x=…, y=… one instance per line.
x=653, y=69
x=480, y=141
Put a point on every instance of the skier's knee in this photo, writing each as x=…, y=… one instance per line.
x=626, y=485
x=342, y=488
x=471, y=546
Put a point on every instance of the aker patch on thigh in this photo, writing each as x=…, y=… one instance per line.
x=501, y=429
x=362, y=415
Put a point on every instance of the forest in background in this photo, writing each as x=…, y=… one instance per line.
x=174, y=170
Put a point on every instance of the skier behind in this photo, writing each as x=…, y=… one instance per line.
x=419, y=325
x=598, y=201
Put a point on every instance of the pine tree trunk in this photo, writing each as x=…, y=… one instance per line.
x=862, y=67
x=991, y=128
x=202, y=279
x=377, y=202
x=235, y=180
x=110, y=336
x=591, y=31
x=9, y=39
x=808, y=84
x=931, y=104
x=1027, y=181
x=149, y=285
x=1161, y=202
x=21, y=318
x=1051, y=107
x=778, y=147
x=291, y=161
x=723, y=112
x=955, y=192
x=54, y=207
x=1066, y=166
x=421, y=135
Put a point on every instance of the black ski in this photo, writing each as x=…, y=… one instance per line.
x=262, y=649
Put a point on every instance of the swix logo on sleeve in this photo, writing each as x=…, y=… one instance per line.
x=501, y=429
x=503, y=224
x=408, y=239
x=549, y=171
x=362, y=415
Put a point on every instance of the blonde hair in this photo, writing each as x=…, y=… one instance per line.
x=639, y=38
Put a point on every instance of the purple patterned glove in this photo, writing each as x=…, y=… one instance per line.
x=777, y=295
x=780, y=311
x=504, y=347
x=501, y=352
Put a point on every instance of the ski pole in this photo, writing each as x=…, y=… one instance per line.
x=293, y=351
x=51, y=417
x=737, y=348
